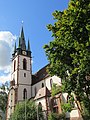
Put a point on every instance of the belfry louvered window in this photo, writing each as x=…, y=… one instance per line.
x=24, y=94
x=24, y=64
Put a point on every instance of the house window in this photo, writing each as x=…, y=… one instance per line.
x=24, y=74
x=14, y=65
x=40, y=106
x=42, y=85
x=55, y=105
x=24, y=64
x=55, y=109
x=51, y=83
x=71, y=100
x=54, y=102
x=24, y=94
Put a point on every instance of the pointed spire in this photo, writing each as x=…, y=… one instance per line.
x=28, y=45
x=19, y=45
x=15, y=47
x=22, y=43
x=22, y=33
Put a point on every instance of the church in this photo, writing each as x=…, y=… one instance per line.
x=25, y=85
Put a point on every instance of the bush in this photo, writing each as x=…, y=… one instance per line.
x=55, y=116
x=55, y=89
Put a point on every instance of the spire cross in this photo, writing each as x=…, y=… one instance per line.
x=22, y=22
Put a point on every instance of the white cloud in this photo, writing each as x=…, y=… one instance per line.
x=8, y=37
x=6, y=42
x=4, y=78
x=5, y=53
x=7, y=69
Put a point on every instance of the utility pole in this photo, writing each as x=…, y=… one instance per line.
x=25, y=105
x=37, y=113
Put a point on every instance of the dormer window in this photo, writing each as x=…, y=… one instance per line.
x=24, y=64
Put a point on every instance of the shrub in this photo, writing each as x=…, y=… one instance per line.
x=56, y=116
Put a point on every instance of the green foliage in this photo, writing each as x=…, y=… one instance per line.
x=55, y=116
x=55, y=89
x=40, y=114
x=4, y=96
x=67, y=107
x=19, y=113
x=0, y=117
x=85, y=111
x=31, y=111
x=69, y=52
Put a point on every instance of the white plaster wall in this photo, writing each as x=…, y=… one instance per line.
x=38, y=86
x=73, y=113
x=46, y=82
x=11, y=103
x=64, y=97
x=16, y=58
x=43, y=102
x=55, y=79
x=14, y=77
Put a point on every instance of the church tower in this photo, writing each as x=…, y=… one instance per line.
x=20, y=85
x=22, y=70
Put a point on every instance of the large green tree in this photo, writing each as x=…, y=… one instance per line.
x=69, y=52
x=4, y=97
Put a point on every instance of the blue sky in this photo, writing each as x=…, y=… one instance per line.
x=36, y=14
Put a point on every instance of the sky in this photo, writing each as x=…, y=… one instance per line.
x=36, y=15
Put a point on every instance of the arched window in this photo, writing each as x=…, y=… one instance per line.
x=51, y=83
x=42, y=85
x=24, y=64
x=14, y=65
x=40, y=106
x=70, y=98
x=35, y=91
x=24, y=94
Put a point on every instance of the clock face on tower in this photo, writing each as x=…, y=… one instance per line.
x=24, y=52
